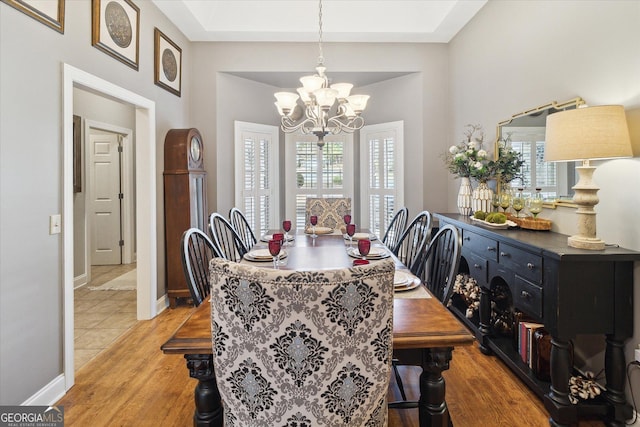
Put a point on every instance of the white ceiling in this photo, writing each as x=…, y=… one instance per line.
x=410, y=21
x=380, y=21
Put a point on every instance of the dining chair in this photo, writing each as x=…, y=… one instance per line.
x=226, y=238
x=197, y=251
x=242, y=227
x=329, y=210
x=396, y=228
x=413, y=242
x=442, y=262
x=442, y=259
x=302, y=347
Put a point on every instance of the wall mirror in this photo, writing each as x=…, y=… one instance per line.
x=525, y=132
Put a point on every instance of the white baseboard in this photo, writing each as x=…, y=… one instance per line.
x=79, y=281
x=49, y=394
x=161, y=304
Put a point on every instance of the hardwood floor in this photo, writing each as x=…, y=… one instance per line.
x=133, y=383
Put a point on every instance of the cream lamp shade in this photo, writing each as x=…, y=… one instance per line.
x=587, y=134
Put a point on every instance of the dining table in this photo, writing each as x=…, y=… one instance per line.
x=425, y=332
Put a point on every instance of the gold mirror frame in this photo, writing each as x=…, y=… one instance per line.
x=558, y=106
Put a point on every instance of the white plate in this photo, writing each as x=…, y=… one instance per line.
x=401, y=278
x=361, y=236
x=507, y=224
x=374, y=253
x=268, y=237
x=319, y=230
x=263, y=255
x=411, y=285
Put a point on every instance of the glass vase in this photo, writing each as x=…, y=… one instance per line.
x=464, y=196
x=481, y=198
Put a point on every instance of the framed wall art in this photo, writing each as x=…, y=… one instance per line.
x=116, y=29
x=50, y=12
x=167, y=63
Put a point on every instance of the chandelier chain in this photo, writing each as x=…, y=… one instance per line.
x=321, y=57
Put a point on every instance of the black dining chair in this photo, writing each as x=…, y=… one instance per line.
x=197, y=250
x=396, y=228
x=413, y=242
x=441, y=259
x=242, y=227
x=226, y=238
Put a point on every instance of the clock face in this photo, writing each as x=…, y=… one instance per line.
x=195, y=149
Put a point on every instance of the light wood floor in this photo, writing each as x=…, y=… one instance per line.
x=133, y=383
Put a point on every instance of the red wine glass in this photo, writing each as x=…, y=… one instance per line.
x=347, y=219
x=313, y=219
x=364, y=246
x=286, y=226
x=274, y=250
x=351, y=230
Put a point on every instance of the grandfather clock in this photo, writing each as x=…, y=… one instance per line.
x=185, y=202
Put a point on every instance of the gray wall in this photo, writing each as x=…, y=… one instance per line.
x=514, y=56
x=31, y=260
x=420, y=100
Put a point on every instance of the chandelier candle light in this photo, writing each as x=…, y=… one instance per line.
x=586, y=134
x=319, y=98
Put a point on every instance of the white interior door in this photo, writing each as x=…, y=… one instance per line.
x=104, y=193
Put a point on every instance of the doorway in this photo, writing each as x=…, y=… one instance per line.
x=145, y=207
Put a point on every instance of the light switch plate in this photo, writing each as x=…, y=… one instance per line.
x=55, y=224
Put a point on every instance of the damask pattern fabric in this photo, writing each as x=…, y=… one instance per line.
x=330, y=211
x=302, y=348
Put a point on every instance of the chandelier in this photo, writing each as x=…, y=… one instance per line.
x=328, y=109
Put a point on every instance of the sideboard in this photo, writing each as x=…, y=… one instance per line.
x=571, y=291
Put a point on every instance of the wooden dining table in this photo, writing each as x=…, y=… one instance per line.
x=425, y=332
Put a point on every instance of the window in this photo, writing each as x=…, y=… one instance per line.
x=381, y=177
x=536, y=172
x=314, y=172
x=256, y=166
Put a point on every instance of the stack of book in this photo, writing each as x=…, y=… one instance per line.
x=534, y=347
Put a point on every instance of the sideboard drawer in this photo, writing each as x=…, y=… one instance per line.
x=527, y=297
x=480, y=245
x=478, y=268
x=524, y=263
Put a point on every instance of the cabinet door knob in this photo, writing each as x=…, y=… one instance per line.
x=525, y=294
x=491, y=249
x=466, y=238
x=530, y=266
x=504, y=254
x=477, y=266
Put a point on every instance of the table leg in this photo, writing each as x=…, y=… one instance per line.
x=433, y=409
x=561, y=411
x=208, y=412
x=614, y=366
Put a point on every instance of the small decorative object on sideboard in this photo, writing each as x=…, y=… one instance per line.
x=531, y=223
x=469, y=291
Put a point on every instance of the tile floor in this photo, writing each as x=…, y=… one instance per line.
x=101, y=316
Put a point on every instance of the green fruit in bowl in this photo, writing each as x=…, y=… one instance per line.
x=480, y=215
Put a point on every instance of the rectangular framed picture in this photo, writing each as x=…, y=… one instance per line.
x=115, y=28
x=167, y=63
x=50, y=12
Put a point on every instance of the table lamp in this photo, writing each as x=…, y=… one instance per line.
x=586, y=134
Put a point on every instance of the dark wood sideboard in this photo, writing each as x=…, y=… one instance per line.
x=571, y=291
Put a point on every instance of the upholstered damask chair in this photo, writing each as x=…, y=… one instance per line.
x=329, y=210
x=302, y=348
